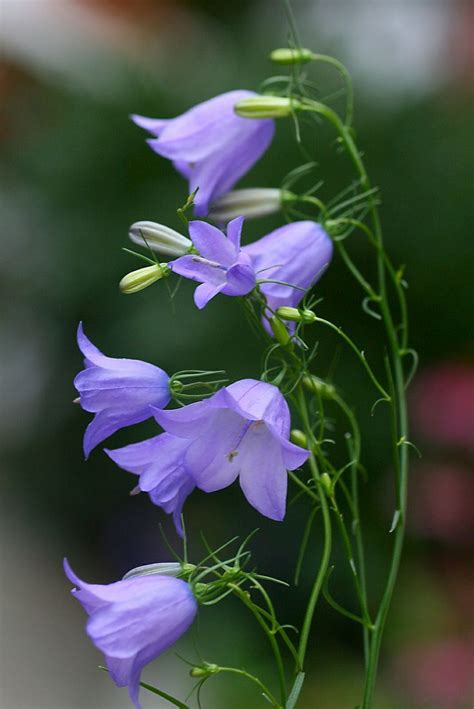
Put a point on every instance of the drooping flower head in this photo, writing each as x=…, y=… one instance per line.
x=118, y=391
x=210, y=145
x=241, y=431
x=296, y=254
x=221, y=266
x=159, y=463
x=135, y=620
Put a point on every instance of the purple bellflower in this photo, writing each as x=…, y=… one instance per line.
x=241, y=431
x=118, y=391
x=134, y=620
x=159, y=463
x=221, y=266
x=210, y=145
x=297, y=254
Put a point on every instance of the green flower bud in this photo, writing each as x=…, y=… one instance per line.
x=267, y=107
x=291, y=56
x=281, y=333
x=295, y=315
x=299, y=438
x=315, y=384
x=207, y=669
x=143, y=277
x=326, y=482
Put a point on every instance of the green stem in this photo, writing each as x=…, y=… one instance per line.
x=359, y=354
x=271, y=638
x=323, y=568
x=399, y=406
x=257, y=681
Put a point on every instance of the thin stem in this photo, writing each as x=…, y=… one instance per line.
x=271, y=638
x=399, y=406
x=360, y=355
x=321, y=575
x=257, y=681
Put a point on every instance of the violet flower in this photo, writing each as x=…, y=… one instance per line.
x=221, y=266
x=159, y=463
x=297, y=254
x=118, y=391
x=133, y=621
x=210, y=145
x=241, y=431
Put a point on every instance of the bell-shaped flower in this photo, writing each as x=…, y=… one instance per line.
x=158, y=462
x=241, y=431
x=210, y=145
x=118, y=391
x=221, y=266
x=135, y=620
x=296, y=255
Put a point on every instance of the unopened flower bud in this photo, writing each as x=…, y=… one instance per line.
x=143, y=277
x=281, y=333
x=299, y=438
x=267, y=107
x=326, y=482
x=166, y=568
x=207, y=669
x=159, y=238
x=295, y=315
x=315, y=384
x=249, y=203
x=291, y=56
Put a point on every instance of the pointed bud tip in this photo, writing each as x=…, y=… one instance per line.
x=143, y=277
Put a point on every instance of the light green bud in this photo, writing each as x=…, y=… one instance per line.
x=267, y=107
x=315, y=384
x=291, y=56
x=326, y=482
x=143, y=277
x=249, y=203
x=299, y=438
x=281, y=333
x=159, y=238
x=295, y=315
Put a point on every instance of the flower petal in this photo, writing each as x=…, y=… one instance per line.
x=211, y=243
x=263, y=477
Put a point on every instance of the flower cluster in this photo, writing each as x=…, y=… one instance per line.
x=241, y=431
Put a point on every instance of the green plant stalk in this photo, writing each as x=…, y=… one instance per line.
x=323, y=568
x=399, y=405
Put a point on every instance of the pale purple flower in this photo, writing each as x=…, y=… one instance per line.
x=221, y=266
x=135, y=620
x=241, y=431
x=118, y=391
x=210, y=145
x=296, y=254
x=158, y=462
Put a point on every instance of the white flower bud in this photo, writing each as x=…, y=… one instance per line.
x=249, y=203
x=160, y=238
x=266, y=107
x=143, y=277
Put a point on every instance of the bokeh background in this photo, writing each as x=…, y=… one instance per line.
x=75, y=173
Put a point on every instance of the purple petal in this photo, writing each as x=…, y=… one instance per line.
x=212, y=458
x=234, y=231
x=153, y=125
x=198, y=269
x=263, y=477
x=187, y=422
x=211, y=243
x=256, y=400
x=240, y=280
x=205, y=292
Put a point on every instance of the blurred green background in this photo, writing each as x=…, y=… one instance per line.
x=75, y=174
